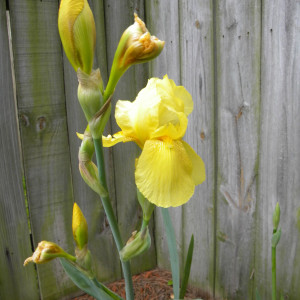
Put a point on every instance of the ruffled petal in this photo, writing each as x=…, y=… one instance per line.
x=109, y=141
x=177, y=98
x=198, y=173
x=164, y=173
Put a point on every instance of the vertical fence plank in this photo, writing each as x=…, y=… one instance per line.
x=238, y=91
x=280, y=144
x=163, y=22
x=16, y=282
x=197, y=70
x=118, y=16
x=41, y=107
x=100, y=237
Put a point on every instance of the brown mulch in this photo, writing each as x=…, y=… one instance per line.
x=151, y=285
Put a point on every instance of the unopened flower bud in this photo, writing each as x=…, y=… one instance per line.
x=88, y=170
x=77, y=31
x=89, y=93
x=79, y=227
x=136, y=245
x=136, y=46
x=47, y=251
x=276, y=216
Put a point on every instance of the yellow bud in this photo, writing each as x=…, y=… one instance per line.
x=79, y=227
x=47, y=251
x=77, y=31
x=136, y=46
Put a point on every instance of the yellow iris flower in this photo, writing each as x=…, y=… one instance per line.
x=168, y=169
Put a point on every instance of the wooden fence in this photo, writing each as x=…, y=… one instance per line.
x=240, y=60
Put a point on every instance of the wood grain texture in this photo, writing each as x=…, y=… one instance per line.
x=118, y=16
x=197, y=71
x=163, y=22
x=238, y=96
x=15, y=243
x=280, y=155
x=42, y=114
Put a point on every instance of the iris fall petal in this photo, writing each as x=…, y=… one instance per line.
x=164, y=173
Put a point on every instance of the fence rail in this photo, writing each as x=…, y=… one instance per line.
x=240, y=60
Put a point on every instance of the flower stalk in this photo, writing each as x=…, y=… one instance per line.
x=112, y=219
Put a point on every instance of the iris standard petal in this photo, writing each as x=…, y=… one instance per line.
x=174, y=130
x=164, y=173
x=176, y=97
x=138, y=119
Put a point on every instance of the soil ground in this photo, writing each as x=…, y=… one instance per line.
x=151, y=285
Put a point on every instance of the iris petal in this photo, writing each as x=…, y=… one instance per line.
x=109, y=141
x=198, y=173
x=164, y=173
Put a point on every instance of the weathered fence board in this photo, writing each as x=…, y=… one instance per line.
x=238, y=99
x=279, y=168
x=197, y=75
x=163, y=22
x=16, y=282
x=240, y=62
x=119, y=15
x=42, y=114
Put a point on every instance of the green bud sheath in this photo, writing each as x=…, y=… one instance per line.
x=136, y=245
x=276, y=216
x=89, y=93
x=276, y=238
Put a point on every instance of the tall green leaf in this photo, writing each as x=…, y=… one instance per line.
x=171, y=239
x=187, y=268
x=87, y=284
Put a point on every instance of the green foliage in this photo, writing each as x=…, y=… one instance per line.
x=172, y=251
x=187, y=268
x=86, y=283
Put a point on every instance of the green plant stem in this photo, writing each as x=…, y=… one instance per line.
x=171, y=239
x=112, y=219
x=273, y=273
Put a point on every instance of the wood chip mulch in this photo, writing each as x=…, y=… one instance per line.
x=151, y=285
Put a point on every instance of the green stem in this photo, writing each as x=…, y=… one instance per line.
x=112, y=219
x=69, y=257
x=273, y=273
x=171, y=239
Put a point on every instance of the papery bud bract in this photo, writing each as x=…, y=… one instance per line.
x=84, y=260
x=47, y=251
x=79, y=227
x=136, y=245
x=77, y=31
x=276, y=216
